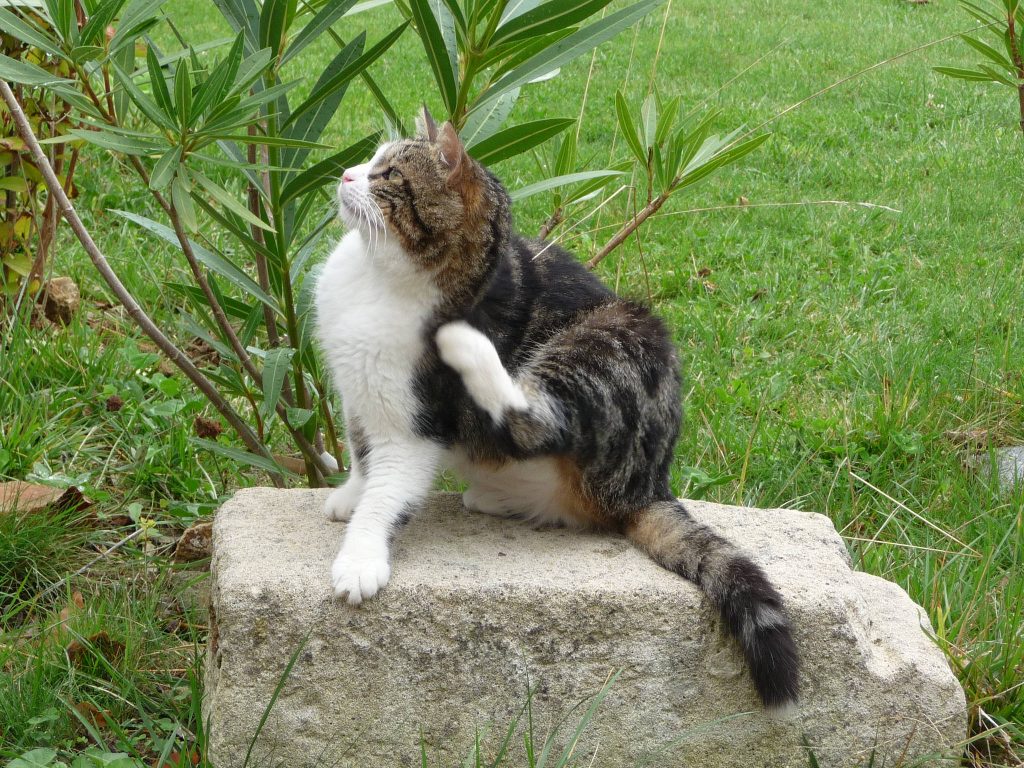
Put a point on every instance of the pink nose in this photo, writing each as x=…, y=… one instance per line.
x=346, y=177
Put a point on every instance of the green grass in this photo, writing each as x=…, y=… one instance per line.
x=833, y=353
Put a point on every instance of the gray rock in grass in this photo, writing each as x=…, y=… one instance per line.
x=479, y=610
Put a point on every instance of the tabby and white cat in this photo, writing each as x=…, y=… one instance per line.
x=456, y=342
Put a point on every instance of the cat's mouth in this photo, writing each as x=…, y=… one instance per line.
x=359, y=211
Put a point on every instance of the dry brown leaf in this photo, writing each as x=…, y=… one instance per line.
x=291, y=463
x=95, y=716
x=112, y=650
x=207, y=428
x=178, y=759
x=19, y=496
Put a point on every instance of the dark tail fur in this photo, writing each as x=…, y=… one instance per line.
x=750, y=606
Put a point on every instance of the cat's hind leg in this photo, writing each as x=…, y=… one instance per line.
x=472, y=354
x=534, y=418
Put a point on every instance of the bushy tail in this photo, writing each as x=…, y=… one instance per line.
x=750, y=606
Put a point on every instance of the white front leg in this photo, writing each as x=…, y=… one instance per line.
x=398, y=476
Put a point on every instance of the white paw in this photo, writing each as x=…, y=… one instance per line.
x=462, y=346
x=342, y=501
x=473, y=355
x=359, y=577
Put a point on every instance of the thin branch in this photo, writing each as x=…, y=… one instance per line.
x=630, y=227
x=218, y=311
x=1018, y=63
x=128, y=301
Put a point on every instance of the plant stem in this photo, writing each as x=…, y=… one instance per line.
x=276, y=214
x=630, y=227
x=262, y=272
x=556, y=218
x=218, y=311
x=1018, y=64
x=128, y=301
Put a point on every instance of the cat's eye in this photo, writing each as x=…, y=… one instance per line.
x=390, y=173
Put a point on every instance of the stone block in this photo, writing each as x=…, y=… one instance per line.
x=479, y=609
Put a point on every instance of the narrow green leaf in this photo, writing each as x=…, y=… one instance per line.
x=29, y=33
x=15, y=71
x=965, y=74
x=243, y=17
x=95, y=30
x=627, y=125
x=83, y=54
x=458, y=18
x=570, y=47
x=65, y=22
x=587, y=189
x=272, y=24
x=14, y=184
x=119, y=143
x=157, y=83
x=139, y=16
x=216, y=85
x=368, y=5
x=437, y=52
x=515, y=8
x=346, y=74
x=566, y=159
x=241, y=233
x=560, y=181
x=275, y=369
x=229, y=201
x=181, y=197
x=270, y=141
x=310, y=125
x=518, y=139
x=693, y=174
x=484, y=121
x=989, y=52
x=667, y=114
x=329, y=170
x=194, y=295
x=322, y=21
x=215, y=262
x=549, y=17
x=164, y=169
x=183, y=92
x=250, y=70
x=649, y=121
x=239, y=456
x=509, y=56
x=143, y=101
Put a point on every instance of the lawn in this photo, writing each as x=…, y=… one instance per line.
x=846, y=301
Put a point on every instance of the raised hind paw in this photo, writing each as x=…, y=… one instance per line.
x=471, y=353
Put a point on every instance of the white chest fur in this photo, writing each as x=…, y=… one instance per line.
x=371, y=309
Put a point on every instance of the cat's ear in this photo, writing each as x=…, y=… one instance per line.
x=427, y=125
x=453, y=153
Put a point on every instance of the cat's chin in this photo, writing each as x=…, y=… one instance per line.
x=353, y=221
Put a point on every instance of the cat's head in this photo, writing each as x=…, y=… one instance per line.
x=426, y=192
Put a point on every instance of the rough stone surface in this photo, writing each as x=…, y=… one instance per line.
x=61, y=300
x=479, y=609
x=1009, y=466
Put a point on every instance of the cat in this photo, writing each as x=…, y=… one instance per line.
x=456, y=342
